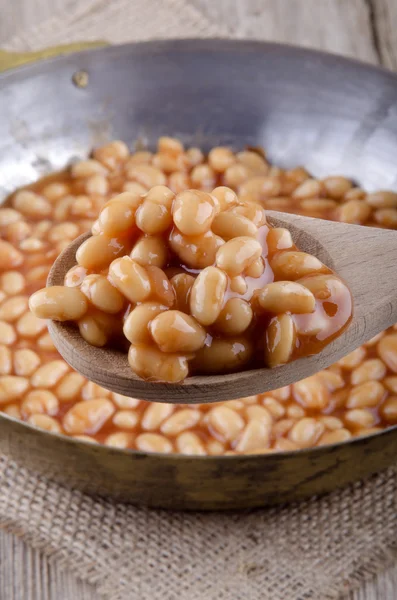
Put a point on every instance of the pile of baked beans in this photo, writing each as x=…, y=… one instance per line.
x=356, y=396
x=196, y=283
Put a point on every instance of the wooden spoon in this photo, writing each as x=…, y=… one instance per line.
x=366, y=258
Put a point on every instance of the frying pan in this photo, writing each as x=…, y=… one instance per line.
x=330, y=114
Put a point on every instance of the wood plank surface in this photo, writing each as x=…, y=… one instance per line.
x=365, y=29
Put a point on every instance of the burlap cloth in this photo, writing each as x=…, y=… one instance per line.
x=319, y=549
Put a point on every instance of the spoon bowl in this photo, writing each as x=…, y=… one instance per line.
x=362, y=256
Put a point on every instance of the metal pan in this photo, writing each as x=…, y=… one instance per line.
x=331, y=114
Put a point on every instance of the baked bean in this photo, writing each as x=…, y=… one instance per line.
x=331, y=423
x=387, y=217
x=236, y=174
x=12, y=308
x=238, y=285
x=10, y=257
x=7, y=333
x=151, y=364
x=12, y=410
x=182, y=284
x=97, y=327
x=355, y=193
x=237, y=254
x=160, y=285
x=99, y=251
x=75, y=276
x=280, y=340
x=69, y=387
x=367, y=394
x=369, y=370
x=121, y=440
x=306, y=432
x=359, y=418
x=5, y=360
x=15, y=232
x=124, y=402
x=310, y=188
x=317, y=204
x=352, y=360
x=142, y=157
x=86, y=168
x=286, y=296
x=193, y=212
x=235, y=317
x=153, y=217
x=203, y=177
x=220, y=158
x=311, y=393
x=130, y=278
x=180, y=421
x=145, y=175
x=63, y=231
x=45, y=343
x=194, y=156
x=256, y=435
x=150, y=250
x=174, y=331
x=59, y=303
x=126, y=419
x=332, y=381
x=178, y=181
x=292, y=265
x=223, y=355
x=39, y=402
x=196, y=252
x=336, y=187
x=92, y=390
x=55, y=191
x=153, y=442
x=354, y=211
x=276, y=409
x=294, y=411
x=389, y=410
x=382, y=199
x=136, y=325
x=26, y=362
x=118, y=216
x=259, y=414
x=102, y=294
x=88, y=417
x=112, y=154
x=8, y=216
x=96, y=185
x=334, y=437
x=225, y=197
x=155, y=414
x=12, y=387
x=45, y=422
x=189, y=443
x=285, y=445
x=30, y=326
x=256, y=268
x=49, y=374
x=31, y=205
x=225, y=422
x=215, y=447
x=387, y=350
x=12, y=282
x=229, y=225
x=207, y=295
x=278, y=238
x=253, y=161
x=391, y=384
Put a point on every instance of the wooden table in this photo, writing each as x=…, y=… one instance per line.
x=366, y=29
